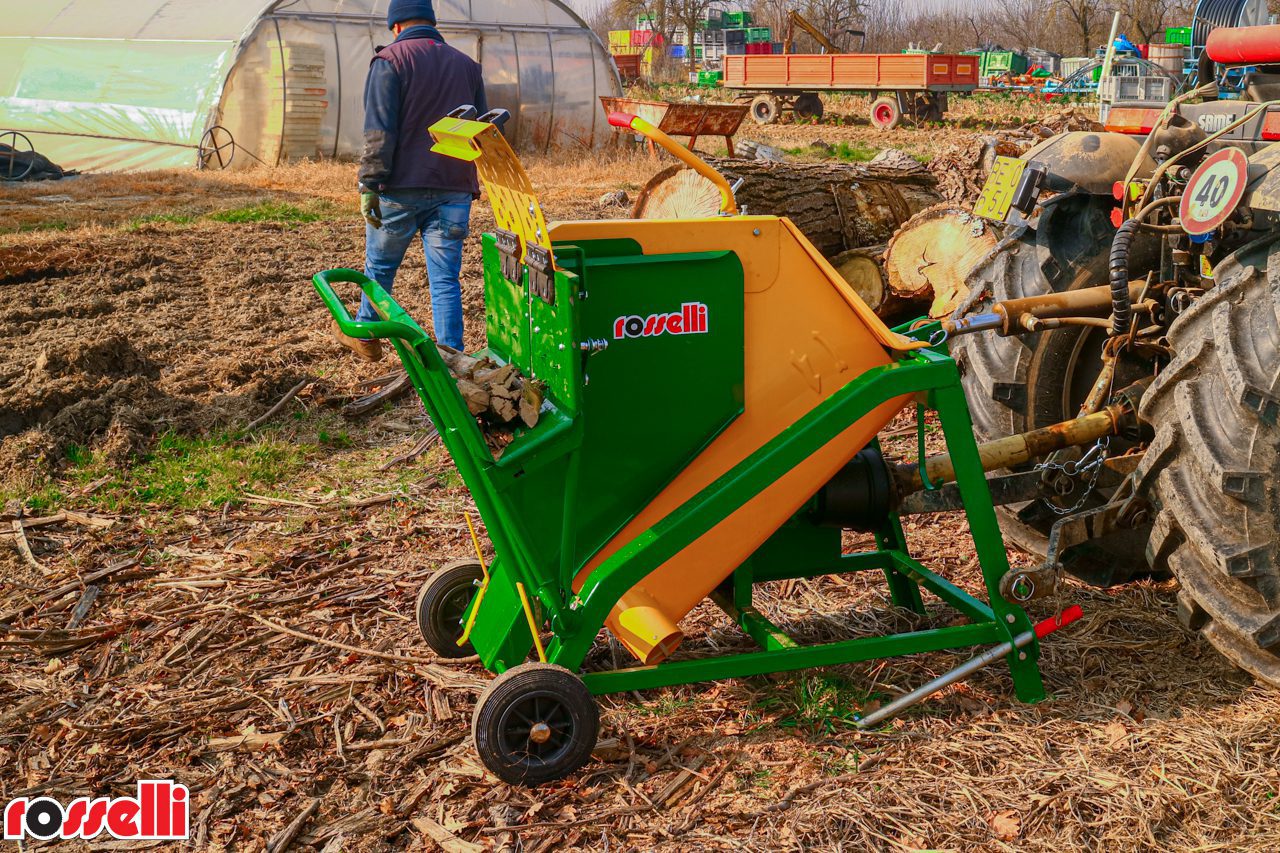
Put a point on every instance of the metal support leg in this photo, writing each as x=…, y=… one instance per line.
x=957, y=427
x=903, y=589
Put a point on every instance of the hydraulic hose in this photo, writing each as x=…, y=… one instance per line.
x=1121, y=307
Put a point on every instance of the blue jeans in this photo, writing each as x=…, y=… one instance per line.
x=443, y=219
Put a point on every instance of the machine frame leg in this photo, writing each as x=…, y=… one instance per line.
x=992, y=622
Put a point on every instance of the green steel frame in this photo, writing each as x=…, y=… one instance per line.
x=502, y=636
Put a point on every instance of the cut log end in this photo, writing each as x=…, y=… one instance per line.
x=931, y=256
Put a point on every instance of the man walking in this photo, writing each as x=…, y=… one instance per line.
x=405, y=189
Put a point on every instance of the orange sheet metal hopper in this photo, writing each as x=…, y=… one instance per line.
x=807, y=335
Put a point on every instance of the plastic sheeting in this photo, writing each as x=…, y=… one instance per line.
x=101, y=85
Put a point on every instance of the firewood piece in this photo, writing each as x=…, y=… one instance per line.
x=862, y=269
x=399, y=386
x=530, y=404
x=931, y=256
x=677, y=192
x=460, y=364
x=508, y=390
x=476, y=397
x=494, y=376
x=838, y=206
x=505, y=409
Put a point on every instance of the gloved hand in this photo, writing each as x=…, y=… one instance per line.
x=371, y=208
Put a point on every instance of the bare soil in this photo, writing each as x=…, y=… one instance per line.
x=263, y=651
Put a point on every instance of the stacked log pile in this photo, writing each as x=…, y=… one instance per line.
x=849, y=211
x=961, y=171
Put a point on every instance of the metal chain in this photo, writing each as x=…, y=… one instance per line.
x=1090, y=463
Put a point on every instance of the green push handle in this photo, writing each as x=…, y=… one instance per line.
x=397, y=322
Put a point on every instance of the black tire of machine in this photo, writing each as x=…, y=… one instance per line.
x=442, y=604
x=1211, y=473
x=529, y=696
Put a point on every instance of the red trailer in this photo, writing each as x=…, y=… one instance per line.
x=912, y=85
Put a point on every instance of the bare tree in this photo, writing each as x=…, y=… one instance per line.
x=1145, y=19
x=1025, y=23
x=836, y=18
x=1088, y=18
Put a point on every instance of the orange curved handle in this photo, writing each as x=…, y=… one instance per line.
x=728, y=206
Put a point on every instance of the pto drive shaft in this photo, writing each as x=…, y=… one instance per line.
x=960, y=673
x=1017, y=449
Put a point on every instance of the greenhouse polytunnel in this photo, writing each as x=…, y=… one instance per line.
x=149, y=84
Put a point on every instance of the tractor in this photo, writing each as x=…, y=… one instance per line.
x=1146, y=257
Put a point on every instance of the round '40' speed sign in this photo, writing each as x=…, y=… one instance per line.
x=1214, y=191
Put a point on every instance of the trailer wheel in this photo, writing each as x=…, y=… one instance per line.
x=809, y=106
x=1211, y=471
x=885, y=113
x=927, y=106
x=765, y=109
x=535, y=723
x=442, y=607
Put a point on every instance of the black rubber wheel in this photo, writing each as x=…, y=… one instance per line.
x=765, y=109
x=1211, y=472
x=885, y=113
x=442, y=607
x=535, y=723
x=809, y=106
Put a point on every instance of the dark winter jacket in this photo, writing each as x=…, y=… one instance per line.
x=412, y=84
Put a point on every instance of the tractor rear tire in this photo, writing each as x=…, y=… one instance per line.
x=1212, y=471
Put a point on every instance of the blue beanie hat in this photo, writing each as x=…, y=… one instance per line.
x=408, y=10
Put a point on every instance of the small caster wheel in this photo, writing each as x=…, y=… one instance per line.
x=442, y=607
x=535, y=723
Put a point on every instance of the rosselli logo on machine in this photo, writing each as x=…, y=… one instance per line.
x=691, y=319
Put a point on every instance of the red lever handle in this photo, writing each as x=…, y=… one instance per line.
x=1053, y=623
x=621, y=119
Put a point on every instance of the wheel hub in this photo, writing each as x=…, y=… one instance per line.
x=540, y=733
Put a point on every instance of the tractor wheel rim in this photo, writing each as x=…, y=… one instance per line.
x=884, y=115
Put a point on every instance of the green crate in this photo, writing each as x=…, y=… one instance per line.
x=709, y=79
x=997, y=62
x=759, y=35
x=1178, y=35
x=737, y=20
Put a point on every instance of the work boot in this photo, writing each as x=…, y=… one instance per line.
x=366, y=349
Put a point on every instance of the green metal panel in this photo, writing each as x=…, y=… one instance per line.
x=997, y=62
x=653, y=403
x=506, y=313
x=799, y=548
